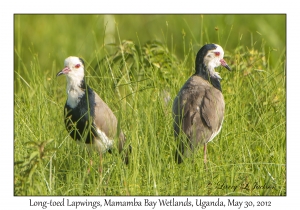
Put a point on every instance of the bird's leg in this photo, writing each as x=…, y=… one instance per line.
x=90, y=166
x=90, y=152
x=100, y=164
x=205, y=150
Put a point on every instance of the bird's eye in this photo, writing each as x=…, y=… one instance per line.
x=77, y=66
x=217, y=53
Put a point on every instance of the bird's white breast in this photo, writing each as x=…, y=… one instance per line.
x=74, y=94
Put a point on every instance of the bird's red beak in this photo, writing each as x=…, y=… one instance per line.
x=66, y=70
x=223, y=63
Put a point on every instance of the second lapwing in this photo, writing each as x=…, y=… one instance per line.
x=198, y=109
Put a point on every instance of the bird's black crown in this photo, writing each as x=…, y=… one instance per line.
x=201, y=54
x=82, y=61
x=201, y=69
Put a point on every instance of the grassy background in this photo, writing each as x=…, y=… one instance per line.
x=137, y=64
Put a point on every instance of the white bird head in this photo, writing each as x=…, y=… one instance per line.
x=209, y=57
x=74, y=69
x=214, y=58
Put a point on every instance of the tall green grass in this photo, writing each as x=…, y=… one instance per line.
x=139, y=81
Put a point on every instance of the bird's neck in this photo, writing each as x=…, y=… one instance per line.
x=75, y=90
x=209, y=74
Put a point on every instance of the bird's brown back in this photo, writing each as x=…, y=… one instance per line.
x=198, y=111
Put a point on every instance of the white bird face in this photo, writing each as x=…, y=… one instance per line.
x=74, y=69
x=214, y=58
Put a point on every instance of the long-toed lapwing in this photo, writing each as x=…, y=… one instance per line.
x=198, y=109
x=88, y=118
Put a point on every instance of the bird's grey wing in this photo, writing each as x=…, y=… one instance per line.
x=104, y=118
x=212, y=108
x=107, y=122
